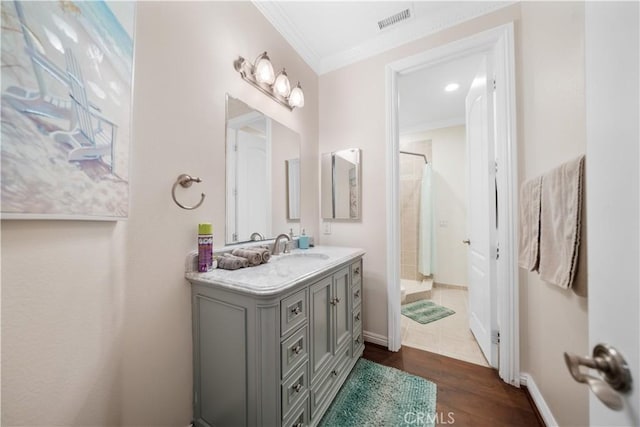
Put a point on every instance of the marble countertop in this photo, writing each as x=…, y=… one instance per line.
x=280, y=273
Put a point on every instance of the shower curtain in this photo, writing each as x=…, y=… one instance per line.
x=425, y=226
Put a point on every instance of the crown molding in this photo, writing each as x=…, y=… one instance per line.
x=276, y=15
x=391, y=38
x=425, y=127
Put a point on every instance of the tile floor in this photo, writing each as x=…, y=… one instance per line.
x=449, y=336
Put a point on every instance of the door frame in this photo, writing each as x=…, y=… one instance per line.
x=500, y=41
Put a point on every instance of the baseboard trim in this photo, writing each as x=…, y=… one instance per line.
x=449, y=285
x=527, y=381
x=375, y=338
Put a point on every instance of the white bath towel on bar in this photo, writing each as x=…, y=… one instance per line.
x=528, y=253
x=560, y=222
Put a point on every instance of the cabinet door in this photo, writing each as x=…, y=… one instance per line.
x=341, y=307
x=321, y=325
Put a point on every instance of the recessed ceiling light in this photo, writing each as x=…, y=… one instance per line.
x=451, y=87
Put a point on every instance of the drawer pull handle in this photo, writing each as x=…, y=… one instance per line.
x=358, y=317
x=356, y=270
x=297, y=310
x=334, y=373
x=335, y=301
x=297, y=349
x=357, y=293
x=297, y=388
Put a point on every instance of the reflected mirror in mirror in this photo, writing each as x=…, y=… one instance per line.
x=293, y=189
x=341, y=184
x=263, y=175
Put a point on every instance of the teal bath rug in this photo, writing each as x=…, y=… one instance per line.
x=425, y=311
x=375, y=395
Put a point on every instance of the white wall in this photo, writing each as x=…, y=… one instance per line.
x=285, y=145
x=96, y=316
x=550, y=104
x=552, y=129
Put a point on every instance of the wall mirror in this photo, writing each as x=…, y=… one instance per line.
x=262, y=176
x=341, y=184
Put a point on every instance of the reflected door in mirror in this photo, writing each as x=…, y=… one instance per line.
x=248, y=163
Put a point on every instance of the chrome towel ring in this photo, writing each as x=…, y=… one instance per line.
x=185, y=181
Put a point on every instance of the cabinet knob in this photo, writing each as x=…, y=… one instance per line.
x=297, y=349
x=335, y=301
x=334, y=373
x=356, y=270
x=358, y=340
x=357, y=293
x=297, y=388
x=297, y=310
x=358, y=316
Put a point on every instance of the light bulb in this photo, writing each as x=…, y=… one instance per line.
x=264, y=70
x=296, y=99
x=451, y=87
x=282, y=86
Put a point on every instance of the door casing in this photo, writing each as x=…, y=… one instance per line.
x=500, y=41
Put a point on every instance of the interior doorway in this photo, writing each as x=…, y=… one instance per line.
x=498, y=310
x=434, y=210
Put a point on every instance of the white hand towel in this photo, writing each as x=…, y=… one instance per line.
x=560, y=223
x=529, y=254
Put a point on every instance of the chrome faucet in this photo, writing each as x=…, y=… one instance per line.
x=256, y=236
x=276, y=244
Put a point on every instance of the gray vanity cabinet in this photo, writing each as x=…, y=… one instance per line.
x=277, y=359
x=331, y=323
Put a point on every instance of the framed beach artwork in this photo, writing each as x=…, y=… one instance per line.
x=67, y=73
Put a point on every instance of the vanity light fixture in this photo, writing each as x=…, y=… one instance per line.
x=282, y=86
x=260, y=74
x=296, y=99
x=263, y=69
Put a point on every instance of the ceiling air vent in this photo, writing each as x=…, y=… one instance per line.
x=394, y=19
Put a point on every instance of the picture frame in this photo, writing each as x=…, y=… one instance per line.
x=67, y=97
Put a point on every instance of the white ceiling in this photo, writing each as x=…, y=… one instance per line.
x=331, y=34
x=425, y=105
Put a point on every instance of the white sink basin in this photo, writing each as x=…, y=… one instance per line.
x=299, y=257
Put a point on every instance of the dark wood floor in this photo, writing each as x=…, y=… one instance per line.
x=474, y=395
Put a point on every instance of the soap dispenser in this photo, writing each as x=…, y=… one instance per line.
x=303, y=240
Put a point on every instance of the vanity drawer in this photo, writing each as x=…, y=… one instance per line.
x=321, y=391
x=299, y=416
x=356, y=296
x=357, y=318
x=356, y=272
x=294, y=390
x=293, y=312
x=358, y=339
x=293, y=351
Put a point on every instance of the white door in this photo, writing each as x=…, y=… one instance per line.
x=252, y=189
x=481, y=212
x=612, y=186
